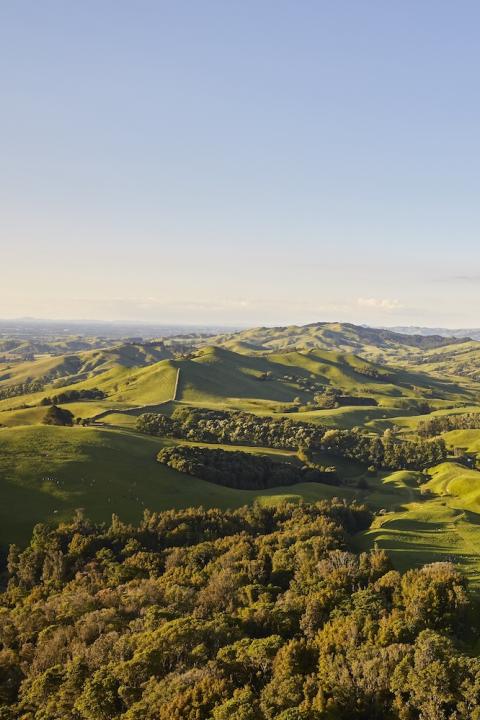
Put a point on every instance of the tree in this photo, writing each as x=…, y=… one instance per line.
x=57, y=416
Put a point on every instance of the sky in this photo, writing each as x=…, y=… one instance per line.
x=254, y=162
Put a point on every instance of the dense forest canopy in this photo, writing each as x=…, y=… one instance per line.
x=258, y=614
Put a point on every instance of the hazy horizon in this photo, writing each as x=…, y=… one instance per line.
x=227, y=327
x=255, y=164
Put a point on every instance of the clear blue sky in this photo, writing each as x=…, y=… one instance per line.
x=240, y=162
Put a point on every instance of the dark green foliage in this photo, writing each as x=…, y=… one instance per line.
x=240, y=470
x=30, y=386
x=327, y=399
x=73, y=396
x=360, y=400
x=372, y=371
x=57, y=416
x=332, y=397
x=444, y=423
x=240, y=428
x=236, y=428
x=257, y=614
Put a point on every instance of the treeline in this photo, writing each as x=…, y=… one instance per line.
x=233, y=428
x=332, y=397
x=444, y=423
x=257, y=614
x=240, y=428
x=387, y=452
x=25, y=388
x=376, y=373
x=354, y=400
x=240, y=470
x=74, y=396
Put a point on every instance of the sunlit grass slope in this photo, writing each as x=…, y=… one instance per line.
x=441, y=525
x=216, y=374
x=113, y=370
x=47, y=472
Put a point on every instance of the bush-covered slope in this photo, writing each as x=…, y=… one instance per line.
x=258, y=614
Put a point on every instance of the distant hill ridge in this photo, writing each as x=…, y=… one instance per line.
x=259, y=365
x=340, y=336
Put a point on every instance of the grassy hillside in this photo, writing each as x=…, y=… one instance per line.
x=217, y=377
x=215, y=374
x=16, y=347
x=439, y=524
x=124, y=387
x=332, y=336
x=461, y=360
x=61, y=370
x=47, y=472
x=428, y=531
x=296, y=359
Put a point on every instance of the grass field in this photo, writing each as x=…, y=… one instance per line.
x=47, y=472
x=443, y=525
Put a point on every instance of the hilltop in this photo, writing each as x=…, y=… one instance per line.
x=369, y=342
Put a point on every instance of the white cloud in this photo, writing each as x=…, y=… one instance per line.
x=380, y=303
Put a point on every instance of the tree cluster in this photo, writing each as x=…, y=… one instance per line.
x=73, y=396
x=241, y=470
x=233, y=428
x=376, y=373
x=25, y=388
x=57, y=416
x=333, y=397
x=257, y=614
x=387, y=452
x=240, y=428
x=438, y=424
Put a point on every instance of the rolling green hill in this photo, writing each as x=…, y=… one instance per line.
x=462, y=360
x=61, y=370
x=332, y=336
x=443, y=523
x=132, y=376
x=129, y=375
x=216, y=374
x=13, y=347
x=48, y=472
